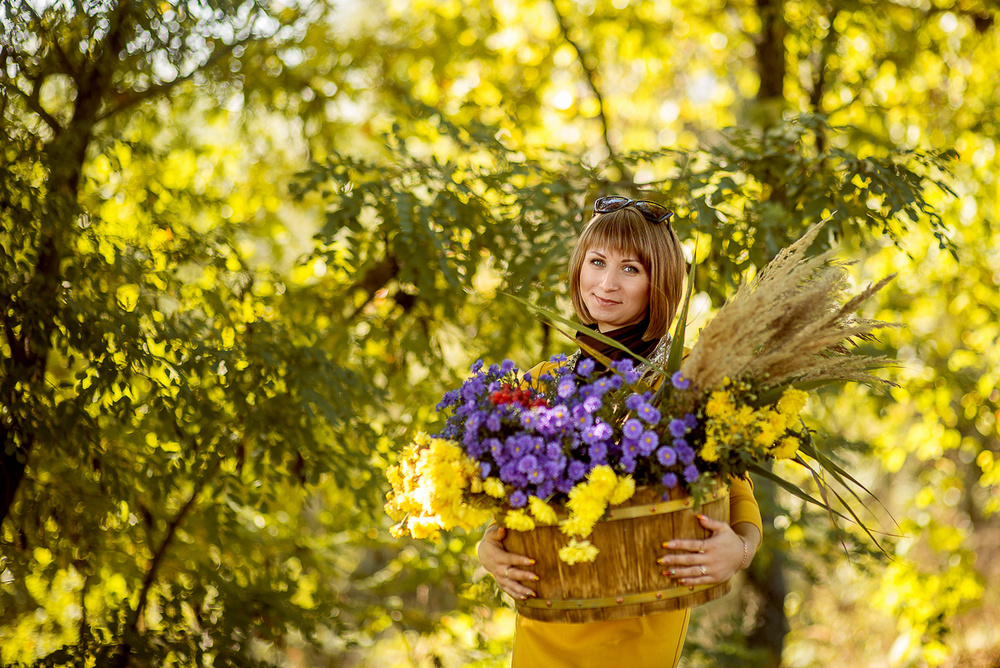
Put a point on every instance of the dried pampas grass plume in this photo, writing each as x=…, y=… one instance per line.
x=792, y=323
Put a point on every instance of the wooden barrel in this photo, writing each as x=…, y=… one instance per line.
x=625, y=580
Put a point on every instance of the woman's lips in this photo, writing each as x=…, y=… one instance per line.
x=605, y=302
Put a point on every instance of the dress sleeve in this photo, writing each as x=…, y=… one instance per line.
x=742, y=504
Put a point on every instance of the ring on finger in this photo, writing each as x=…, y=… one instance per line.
x=506, y=573
x=701, y=550
x=703, y=569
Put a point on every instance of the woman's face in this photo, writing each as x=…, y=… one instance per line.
x=615, y=288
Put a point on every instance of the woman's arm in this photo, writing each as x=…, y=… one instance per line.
x=506, y=567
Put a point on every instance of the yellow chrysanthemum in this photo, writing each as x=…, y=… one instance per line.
x=745, y=417
x=518, y=520
x=709, y=451
x=719, y=405
x=576, y=525
x=786, y=448
x=423, y=527
x=623, y=490
x=766, y=433
x=587, y=500
x=494, y=488
x=602, y=480
x=792, y=402
x=578, y=551
x=543, y=512
x=429, y=487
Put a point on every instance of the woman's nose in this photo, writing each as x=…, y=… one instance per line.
x=609, y=281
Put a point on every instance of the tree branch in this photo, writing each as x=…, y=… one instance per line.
x=591, y=77
x=135, y=97
x=152, y=572
x=33, y=104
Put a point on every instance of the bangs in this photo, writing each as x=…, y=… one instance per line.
x=624, y=231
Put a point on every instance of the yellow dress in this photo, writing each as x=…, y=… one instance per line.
x=654, y=640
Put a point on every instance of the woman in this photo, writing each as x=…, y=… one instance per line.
x=626, y=280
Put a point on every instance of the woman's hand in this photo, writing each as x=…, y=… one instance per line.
x=714, y=559
x=506, y=567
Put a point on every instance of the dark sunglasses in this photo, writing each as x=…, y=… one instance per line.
x=650, y=210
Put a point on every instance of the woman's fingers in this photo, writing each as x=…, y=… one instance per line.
x=510, y=570
x=712, y=525
x=512, y=581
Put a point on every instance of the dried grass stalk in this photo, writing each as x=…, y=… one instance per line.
x=792, y=323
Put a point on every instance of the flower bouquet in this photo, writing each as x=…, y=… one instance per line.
x=563, y=447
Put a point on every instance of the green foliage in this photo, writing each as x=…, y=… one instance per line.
x=202, y=376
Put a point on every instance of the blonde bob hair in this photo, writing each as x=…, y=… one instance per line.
x=655, y=246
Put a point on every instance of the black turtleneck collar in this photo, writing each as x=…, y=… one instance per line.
x=629, y=336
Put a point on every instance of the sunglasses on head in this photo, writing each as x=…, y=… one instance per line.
x=650, y=210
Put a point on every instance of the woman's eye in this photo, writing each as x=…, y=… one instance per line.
x=597, y=262
x=631, y=269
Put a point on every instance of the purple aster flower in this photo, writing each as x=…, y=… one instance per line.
x=564, y=485
x=632, y=428
x=666, y=455
x=648, y=442
x=494, y=370
x=684, y=452
x=565, y=387
x=691, y=473
x=670, y=480
x=545, y=488
x=585, y=367
x=679, y=381
x=508, y=473
x=600, y=431
x=496, y=448
x=630, y=449
x=576, y=470
x=517, y=446
x=690, y=420
x=507, y=366
x=615, y=382
x=622, y=365
x=476, y=366
x=554, y=467
x=648, y=413
x=628, y=463
x=677, y=428
x=591, y=404
x=484, y=469
x=633, y=401
x=493, y=422
x=518, y=499
x=560, y=358
x=529, y=419
x=598, y=451
x=558, y=416
x=476, y=449
x=581, y=418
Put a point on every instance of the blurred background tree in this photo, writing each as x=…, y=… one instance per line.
x=247, y=245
